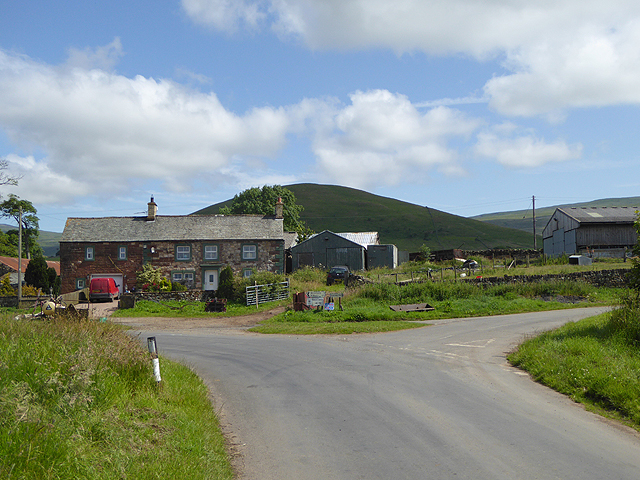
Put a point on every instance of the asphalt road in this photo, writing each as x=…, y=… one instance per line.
x=439, y=402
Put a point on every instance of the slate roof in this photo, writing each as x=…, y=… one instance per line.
x=173, y=228
x=601, y=214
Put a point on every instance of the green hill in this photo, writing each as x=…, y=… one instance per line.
x=408, y=226
x=523, y=219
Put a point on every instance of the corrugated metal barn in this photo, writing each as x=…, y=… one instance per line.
x=594, y=231
x=326, y=249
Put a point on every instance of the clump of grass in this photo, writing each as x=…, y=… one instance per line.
x=78, y=400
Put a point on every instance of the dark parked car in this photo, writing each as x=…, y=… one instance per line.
x=338, y=273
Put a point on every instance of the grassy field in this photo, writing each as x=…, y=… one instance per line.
x=366, y=308
x=595, y=361
x=79, y=400
x=369, y=306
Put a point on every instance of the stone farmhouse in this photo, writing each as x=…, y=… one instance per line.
x=190, y=249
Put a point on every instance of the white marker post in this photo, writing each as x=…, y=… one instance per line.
x=153, y=350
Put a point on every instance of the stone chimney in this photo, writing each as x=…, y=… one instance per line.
x=279, y=208
x=153, y=210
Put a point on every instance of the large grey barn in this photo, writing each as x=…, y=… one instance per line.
x=595, y=231
x=327, y=249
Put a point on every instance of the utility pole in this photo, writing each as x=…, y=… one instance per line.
x=19, y=256
x=535, y=240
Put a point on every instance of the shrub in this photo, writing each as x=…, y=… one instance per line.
x=29, y=291
x=225, y=287
x=151, y=279
x=6, y=290
x=37, y=273
x=625, y=320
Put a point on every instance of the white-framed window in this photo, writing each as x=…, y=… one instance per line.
x=249, y=252
x=247, y=272
x=122, y=253
x=182, y=276
x=211, y=252
x=80, y=283
x=89, y=254
x=183, y=253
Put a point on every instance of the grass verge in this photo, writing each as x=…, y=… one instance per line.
x=186, y=309
x=78, y=400
x=369, y=304
x=594, y=361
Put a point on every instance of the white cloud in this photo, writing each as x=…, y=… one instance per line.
x=559, y=54
x=523, y=151
x=224, y=15
x=39, y=184
x=102, y=57
x=99, y=128
x=382, y=139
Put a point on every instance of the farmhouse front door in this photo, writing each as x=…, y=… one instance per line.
x=211, y=279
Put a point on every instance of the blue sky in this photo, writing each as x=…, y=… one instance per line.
x=468, y=107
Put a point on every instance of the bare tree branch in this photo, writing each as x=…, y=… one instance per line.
x=5, y=178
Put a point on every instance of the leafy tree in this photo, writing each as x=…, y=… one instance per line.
x=8, y=244
x=10, y=208
x=425, y=252
x=262, y=201
x=37, y=273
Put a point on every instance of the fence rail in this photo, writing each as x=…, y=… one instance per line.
x=272, y=292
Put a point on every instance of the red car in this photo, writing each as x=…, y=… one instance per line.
x=103, y=289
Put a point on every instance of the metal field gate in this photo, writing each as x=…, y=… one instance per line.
x=258, y=294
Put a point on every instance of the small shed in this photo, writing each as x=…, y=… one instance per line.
x=594, y=231
x=382, y=256
x=579, y=260
x=326, y=249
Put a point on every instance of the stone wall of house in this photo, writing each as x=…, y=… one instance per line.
x=74, y=265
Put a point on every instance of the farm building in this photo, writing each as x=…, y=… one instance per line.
x=592, y=231
x=326, y=249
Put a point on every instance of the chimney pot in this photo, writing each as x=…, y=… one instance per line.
x=152, y=210
x=279, y=208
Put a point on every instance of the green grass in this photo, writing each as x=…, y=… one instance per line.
x=310, y=327
x=187, y=309
x=594, y=361
x=366, y=309
x=78, y=400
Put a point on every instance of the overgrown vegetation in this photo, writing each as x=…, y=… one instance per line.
x=78, y=400
x=370, y=302
x=594, y=361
